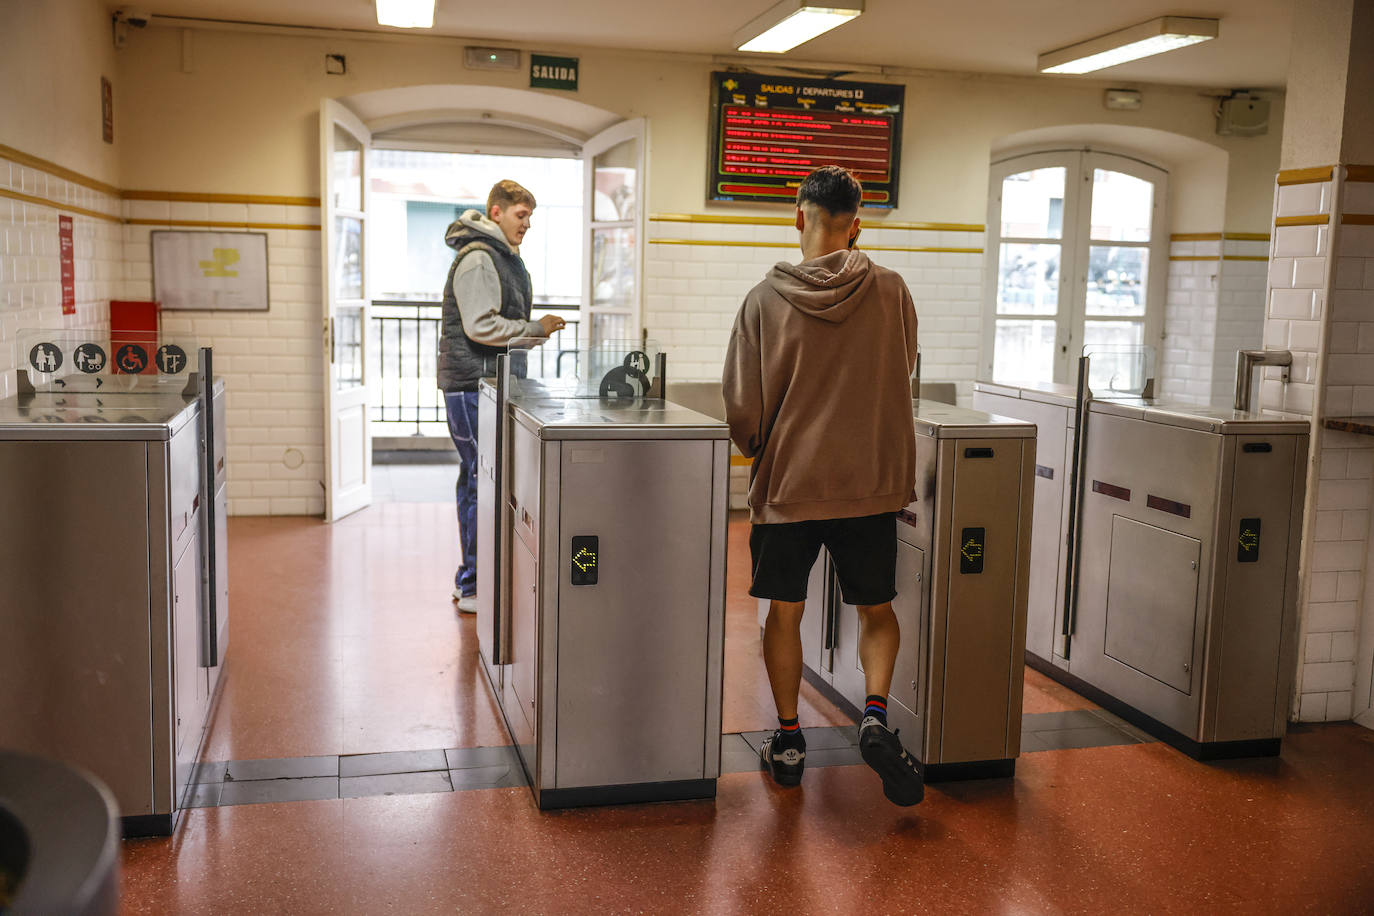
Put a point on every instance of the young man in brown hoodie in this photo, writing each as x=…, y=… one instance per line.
x=818, y=392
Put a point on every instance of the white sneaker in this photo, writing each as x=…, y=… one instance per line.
x=467, y=604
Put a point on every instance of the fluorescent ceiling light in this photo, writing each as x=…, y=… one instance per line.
x=406, y=14
x=1144, y=40
x=792, y=22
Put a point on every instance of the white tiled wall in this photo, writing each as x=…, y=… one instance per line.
x=1190, y=321
x=1240, y=311
x=1297, y=295
x=30, y=270
x=1303, y=274
x=692, y=292
x=270, y=361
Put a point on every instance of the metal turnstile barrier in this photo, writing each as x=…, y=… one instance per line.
x=1178, y=610
x=963, y=557
x=601, y=589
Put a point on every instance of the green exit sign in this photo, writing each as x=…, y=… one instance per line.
x=553, y=72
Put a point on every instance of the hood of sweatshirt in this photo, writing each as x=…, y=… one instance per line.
x=472, y=225
x=829, y=287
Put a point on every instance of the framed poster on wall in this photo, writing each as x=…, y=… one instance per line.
x=210, y=270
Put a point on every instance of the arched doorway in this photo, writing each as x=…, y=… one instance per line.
x=474, y=120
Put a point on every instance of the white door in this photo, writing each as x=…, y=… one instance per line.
x=1078, y=247
x=344, y=145
x=613, y=220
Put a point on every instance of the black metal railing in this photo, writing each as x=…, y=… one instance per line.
x=405, y=341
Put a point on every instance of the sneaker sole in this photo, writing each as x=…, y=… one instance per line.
x=897, y=781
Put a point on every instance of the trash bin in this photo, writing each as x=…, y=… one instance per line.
x=59, y=839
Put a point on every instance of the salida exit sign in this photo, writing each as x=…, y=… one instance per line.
x=553, y=72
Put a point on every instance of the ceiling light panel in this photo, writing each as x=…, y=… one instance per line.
x=1157, y=36
x=406, y=14
x=793, y=22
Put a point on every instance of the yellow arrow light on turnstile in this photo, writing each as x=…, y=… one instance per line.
x=1248, y=540
x=971, y=550
x=584, y=559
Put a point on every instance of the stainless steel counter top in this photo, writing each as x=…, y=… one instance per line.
x=1044, y=392
x=945, y=421
x=123, y=416
x=593, y=418
x=1221, y=420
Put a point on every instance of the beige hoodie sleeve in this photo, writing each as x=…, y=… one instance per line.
x=742, y=382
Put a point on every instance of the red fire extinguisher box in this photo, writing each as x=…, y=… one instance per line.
x=133, y=336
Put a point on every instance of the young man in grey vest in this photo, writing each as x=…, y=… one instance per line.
x=487, y=301
x=818, y=392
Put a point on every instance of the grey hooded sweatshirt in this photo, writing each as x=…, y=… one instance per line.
x=817, y=390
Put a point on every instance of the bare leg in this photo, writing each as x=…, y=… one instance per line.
x=782, y=654
x=879, y=639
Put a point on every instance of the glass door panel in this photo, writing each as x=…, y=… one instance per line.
x=1123, y=207
x=614, y=215
x=346, y=165
x=1028, y=279
x=1033, y=204
x=1024, y=350
x=1117, y=281
x=615, y=173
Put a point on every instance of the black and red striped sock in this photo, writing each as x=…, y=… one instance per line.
x=791, y=732
x=875, y=707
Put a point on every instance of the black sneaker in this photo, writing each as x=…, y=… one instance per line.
x=903, y=776
x=785, y=763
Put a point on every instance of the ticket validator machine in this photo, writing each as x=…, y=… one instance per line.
x=963, y=554
x=601, y=593
x=1167, y=589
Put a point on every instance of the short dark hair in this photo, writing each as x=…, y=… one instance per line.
x=506, y=193
x=833, y=189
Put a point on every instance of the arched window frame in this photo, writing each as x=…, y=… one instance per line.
x=1075, y=243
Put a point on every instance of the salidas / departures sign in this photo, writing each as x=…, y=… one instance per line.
x=768, y=132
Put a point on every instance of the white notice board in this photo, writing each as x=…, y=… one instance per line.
x=210, y=270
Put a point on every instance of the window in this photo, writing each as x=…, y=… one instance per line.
x=1077, y=250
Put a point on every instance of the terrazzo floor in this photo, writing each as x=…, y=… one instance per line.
x=345, y=645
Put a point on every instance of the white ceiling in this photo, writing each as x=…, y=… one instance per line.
x=988, y=36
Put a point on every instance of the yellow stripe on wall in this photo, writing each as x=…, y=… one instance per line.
x=52, y=168
x=1359, y=173
x=220, y=224
x=1357, y=219
x=1218, y=236
x=728, y=220
x=1306, y=176
x=186, y=197
x=66, y=208
x=722, y=243
x=1314, y=219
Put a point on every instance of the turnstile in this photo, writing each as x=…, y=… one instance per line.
x=1179, y=608
x=1051, y=408
x=602, y=526
x=963, y=552
x=1188, y=572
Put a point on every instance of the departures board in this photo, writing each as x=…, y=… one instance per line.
x=768, y=132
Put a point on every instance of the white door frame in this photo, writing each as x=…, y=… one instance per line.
x=348, y=441
x=633, y=129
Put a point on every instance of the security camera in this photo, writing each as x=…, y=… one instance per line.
x=126, y=16
x=133, y=15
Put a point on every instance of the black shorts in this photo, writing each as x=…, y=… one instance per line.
x=864, y=551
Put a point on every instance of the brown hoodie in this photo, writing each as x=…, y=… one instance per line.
x=818, y=390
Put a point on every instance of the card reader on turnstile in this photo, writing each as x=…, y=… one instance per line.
x=601, y=579
x=963, y=552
